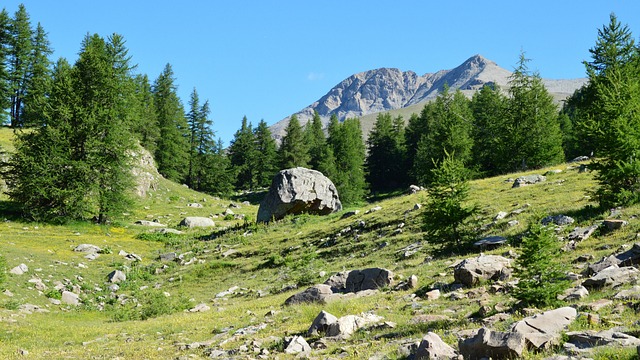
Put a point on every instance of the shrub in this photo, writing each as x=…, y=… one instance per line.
x=540, y=274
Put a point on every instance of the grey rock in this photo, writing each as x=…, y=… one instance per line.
x=528, y=180
x=501, y=215
x=614, y=224
x=432, y=347
x=492, y=344
x=202, y=307
x=19, y=270
x=626, y=258
x=349, y=324
x=359, y=280
x=321, y=323
x=197, y=221
x=582, y=233
x=299, y=190
x=116, y=276
x=580, y=158
x=87, y=248
x=315, y=294
x=544, y=330
x=413, y=189
x=167, y=231
x=150, y=223
x=70, y=298
x=559, y=220
x=491, y=241
x=172, y=256
x=297, y=345
x=612, y=276
x=574, y=293
x=629, y=294
x=471, y=271
x=591, y=338
x=373, y=209
x=194, y=205
x=350, y=214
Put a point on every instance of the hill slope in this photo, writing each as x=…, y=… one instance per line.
x=386, y=89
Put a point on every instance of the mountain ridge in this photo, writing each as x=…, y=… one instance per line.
x=386, y=89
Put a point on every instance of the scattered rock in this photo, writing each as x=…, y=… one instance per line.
x=194, y=205
x=432, y=295
x=299, y=190
x=347, y=325
x=321, y=323
x=492, y=344
x=196, y=221
x=150, y=223
x=116, y=276
x=574, y=293
x=559, y=220
x=410, y=283
x=553, y=172
x=168, y=256
x=484, y=267
x=373, y=209
x=629, y=294
x=87, y=248
x=543, y=330
x=432, y=347
x=528, y=180
x=612, y=276
x=579, y=158
x=591, y=338
x=314, y=294
x=614, y=224
x=491, y=241
x=350, y=214
x=202, y=307
x=626, y=258
x=297, y=345
x=167, y=231
x=582, y=233
x=417, y=207
x=19, y=270
x=359, y=280
x=501, y=215
x=70, y=298
x=413, y=189
x=599, y=304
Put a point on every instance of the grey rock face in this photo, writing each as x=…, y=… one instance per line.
x=297, y=345
x=197, y=221
x=87, y=248
x=591, y=338
x=116, y=276
x=150, y=223
x=299, y=190
x=491, y=241
x=579, y=234
x=559, y=220
x=359, y=280
x=612, y=276
x=484, y=267
x=321, y=323
x=144, y=171
x=70, y=298
x=19, y=270
x=626, y=258
x=317, y=293
x=528, y=180
x=492, y=344
x=544, y=330
x=432, y=347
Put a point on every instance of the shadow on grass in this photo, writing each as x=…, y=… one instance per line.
x=10, y=210
x=254, y=197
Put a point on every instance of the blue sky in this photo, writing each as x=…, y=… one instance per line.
x=269, y=59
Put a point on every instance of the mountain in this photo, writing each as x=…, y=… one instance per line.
x=386, y=89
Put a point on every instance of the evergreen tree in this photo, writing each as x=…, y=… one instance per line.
x=5, y=36
x=217, y=174
x=77, y=165
x=20, y=47
x=145, y=124
x=447, y=219
x=201, y=140
x=38, y=79
x=386, y=156
x=315, y=139
x=266, y=155
x=172, y=146
x=345, y=141
x=242, y=155
x=294, y=151
x=447, y=129
x=533, y=137
x=541, y=277
x=489, y=107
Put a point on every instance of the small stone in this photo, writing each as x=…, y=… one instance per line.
x=19, y=270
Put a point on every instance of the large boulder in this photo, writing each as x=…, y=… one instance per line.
x=612, y=276
x=544, y=330
x=359, y=280
x=196, y=221
x=315, y=294
x=484, y=267
x=492, y=344
x=432, y=347
x=626, y=258
x=299, y=190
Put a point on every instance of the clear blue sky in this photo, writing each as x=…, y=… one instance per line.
x=269, y=59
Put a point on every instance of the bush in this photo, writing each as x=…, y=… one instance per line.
x=150, y=304
x=540, y=274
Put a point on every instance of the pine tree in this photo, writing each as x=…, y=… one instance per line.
x=447, y=129
x=201, y=140
x=386, y=156
x=172, y=146
x=348, y=150
x=533, y=138
x=447, y=219
x=78, y=165
x=242, y=156
x=294, y=151
x=541, y=277
x=38, y=80
x=5, y=93
x=315, y=139
x=20, y=48
x=489, y=107
x=217, y=174
x=145, y=124
x=266, y=162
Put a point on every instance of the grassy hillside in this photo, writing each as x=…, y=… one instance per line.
x=265, y=263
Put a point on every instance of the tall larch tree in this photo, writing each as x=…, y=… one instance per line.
x=315, y=139
x=172, y=147
x=386, y=154
x=266, y=164
x=202, y=141
x=345, y=141
x=145, y=125
x=489, y=108
x=20, y=48
x=38, y=80
x=293, y=151
x=5, y=93
x=242, y=155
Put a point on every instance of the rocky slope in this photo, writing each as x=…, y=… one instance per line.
x=387, y=89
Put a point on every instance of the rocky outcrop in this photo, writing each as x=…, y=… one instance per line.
x=299, y=190
x=492, y=344
x=625, y=258
x=544, y=330
x=144, y=171
x=528, y=180
x=196, y=221
x=612, y=276
x=432, y=347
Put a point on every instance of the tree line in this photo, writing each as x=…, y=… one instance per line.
x=77, y=124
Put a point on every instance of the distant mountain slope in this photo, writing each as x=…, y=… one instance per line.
x=385, y=89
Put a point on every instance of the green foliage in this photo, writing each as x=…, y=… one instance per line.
x=315, y=139
x=3, y=272
x=172, y=146
x=266, y=155
x=242, y=156
x=541, y=278
x=447, y=220
x=345, y=141
x=150, y=304
x=385, y=159
x=445, y=127
x=489, y=107
x=294, y=151
x=145, y=124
